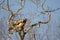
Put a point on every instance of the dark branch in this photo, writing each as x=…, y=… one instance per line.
x=52, y=10
x=34, y=36
x=40, y=22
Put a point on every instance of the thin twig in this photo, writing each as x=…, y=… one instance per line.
x=3, y=8
x=8, y=6
x=21, y=6
x=52, y=10
x=34, y=35
x=43, y=4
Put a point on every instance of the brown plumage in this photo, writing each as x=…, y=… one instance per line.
x=20, y=25
x=17, y=25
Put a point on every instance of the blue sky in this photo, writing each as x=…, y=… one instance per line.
x=30, y=10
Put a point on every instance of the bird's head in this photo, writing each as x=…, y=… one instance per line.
x=24, y=20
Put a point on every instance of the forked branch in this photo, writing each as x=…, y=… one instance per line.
x=21, y=6
x=8, y=6
x=52, y=10
x=40, y=22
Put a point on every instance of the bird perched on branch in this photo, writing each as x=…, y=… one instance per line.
x=17, y=25
x=20, y=24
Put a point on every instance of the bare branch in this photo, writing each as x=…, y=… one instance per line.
x=36, y=2
x=40, y=4
x=43, y=4
x=34, y=35
x=8, y=6
x=1, y=7
x=40, y=22
x=33, y=1
x=21, y=6
x=22, y=34
x=52, y=10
